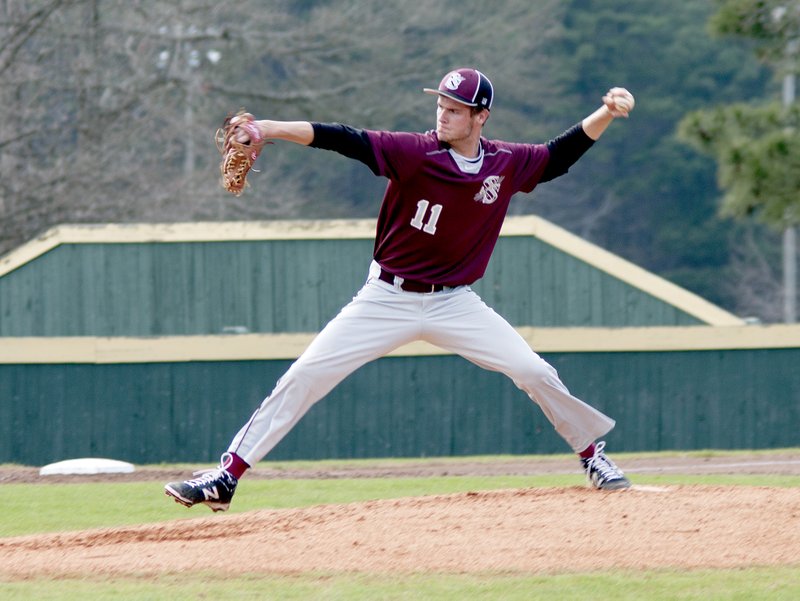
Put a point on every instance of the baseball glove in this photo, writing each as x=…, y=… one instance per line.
x=238, y=157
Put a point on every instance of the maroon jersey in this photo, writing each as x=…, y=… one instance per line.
x=439, y=224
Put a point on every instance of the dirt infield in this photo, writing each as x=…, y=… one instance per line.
x=516, y=531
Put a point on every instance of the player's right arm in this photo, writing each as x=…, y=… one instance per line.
x=299, y=132
x=348, y=141
x=351, y=142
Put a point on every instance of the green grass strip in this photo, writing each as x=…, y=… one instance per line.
x=39, y=508
x=776, y=584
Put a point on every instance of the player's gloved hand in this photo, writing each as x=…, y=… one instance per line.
x=240, y=141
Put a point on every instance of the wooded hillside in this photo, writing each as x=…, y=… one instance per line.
x=108, y=109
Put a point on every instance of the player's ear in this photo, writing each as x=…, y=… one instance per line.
x=483, y=117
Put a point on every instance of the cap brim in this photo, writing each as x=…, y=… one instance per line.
x=451, y=96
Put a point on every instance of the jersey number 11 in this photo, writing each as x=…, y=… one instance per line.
x=422, y=210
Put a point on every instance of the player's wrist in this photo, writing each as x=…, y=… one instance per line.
x=263, y=128
x=607, y=112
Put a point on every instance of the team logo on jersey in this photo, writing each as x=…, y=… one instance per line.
x=454, y=80
x=490, y=189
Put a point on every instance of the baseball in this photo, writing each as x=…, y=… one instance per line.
x=624, y=102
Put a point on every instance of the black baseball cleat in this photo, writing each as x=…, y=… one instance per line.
x=214, y=488
x=602, y=473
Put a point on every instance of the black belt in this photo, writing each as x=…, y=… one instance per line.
x=410, y=285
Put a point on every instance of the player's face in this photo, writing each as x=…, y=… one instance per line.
x=456, y=124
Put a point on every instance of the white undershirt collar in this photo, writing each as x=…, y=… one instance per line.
x=468, y=165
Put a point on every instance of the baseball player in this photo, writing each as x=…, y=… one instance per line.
x=447, y=196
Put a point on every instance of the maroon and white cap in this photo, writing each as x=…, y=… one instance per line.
x=467, y=86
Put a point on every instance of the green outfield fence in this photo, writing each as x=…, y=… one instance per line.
x=398, y=406
x=155, y=342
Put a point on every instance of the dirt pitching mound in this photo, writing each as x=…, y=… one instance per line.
x=524, y=531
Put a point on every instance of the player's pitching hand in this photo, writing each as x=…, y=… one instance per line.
x=619, y=101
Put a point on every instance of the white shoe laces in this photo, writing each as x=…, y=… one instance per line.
x=206, y=477
x=209, y=475
x=602, y=464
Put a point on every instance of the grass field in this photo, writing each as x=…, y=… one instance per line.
x=773, y=584
x=36, y=508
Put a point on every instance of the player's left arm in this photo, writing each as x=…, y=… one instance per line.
x=617, y=102
x=566, y=149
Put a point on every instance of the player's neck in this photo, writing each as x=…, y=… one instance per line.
x=468, y=148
